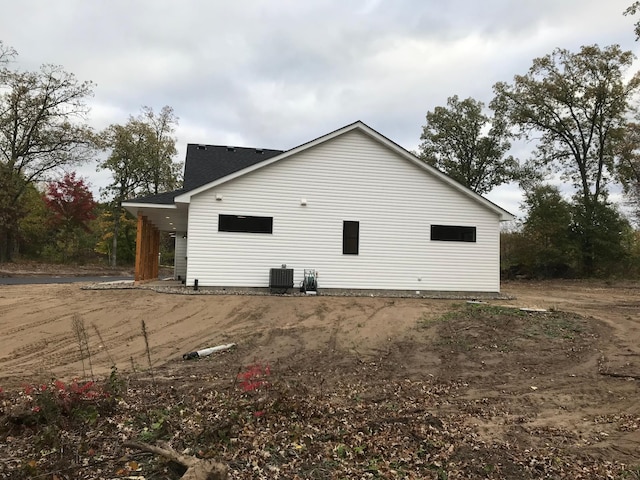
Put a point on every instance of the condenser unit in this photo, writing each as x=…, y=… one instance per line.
x=280, y=279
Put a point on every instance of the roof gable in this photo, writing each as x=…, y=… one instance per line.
x=373, y=134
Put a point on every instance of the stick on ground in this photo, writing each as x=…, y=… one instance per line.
x=197, y=468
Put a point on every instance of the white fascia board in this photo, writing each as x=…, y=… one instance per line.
x=149, y=205
x=133, y=207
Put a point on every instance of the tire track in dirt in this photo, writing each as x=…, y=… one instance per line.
x=62, y=355
x=615, y=305
x=40, y=336
x=35, y=324
x=56, y=349
x=7, y=309
x=276, y=344
x=200, y=324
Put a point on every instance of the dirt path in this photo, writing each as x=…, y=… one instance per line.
x=617, y=305
x=598, y=408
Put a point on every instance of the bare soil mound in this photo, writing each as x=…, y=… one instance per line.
x=324, y=387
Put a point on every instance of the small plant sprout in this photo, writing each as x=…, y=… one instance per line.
x=77, y=323
x=148, y=350
x=102, y=342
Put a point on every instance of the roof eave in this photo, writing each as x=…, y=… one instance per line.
x=134, y=207
x=148, y=205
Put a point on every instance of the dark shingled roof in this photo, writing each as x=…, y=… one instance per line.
x=206, y=163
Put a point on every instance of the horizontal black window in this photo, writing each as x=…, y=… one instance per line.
x=453, y=233
x=350, y=237
x=244, y=223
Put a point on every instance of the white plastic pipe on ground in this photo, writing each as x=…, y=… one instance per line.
x=205, y=352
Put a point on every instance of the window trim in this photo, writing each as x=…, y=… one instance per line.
x=243, y=224
x=453, y=233
x=349, y=236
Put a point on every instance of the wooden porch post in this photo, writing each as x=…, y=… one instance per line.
x=147, y=250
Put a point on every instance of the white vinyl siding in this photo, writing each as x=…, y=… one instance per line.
x=351, y=177
x=180, y=256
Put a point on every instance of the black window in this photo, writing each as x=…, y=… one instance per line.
x=350, y=237
x=244, y=223
x=453, y=233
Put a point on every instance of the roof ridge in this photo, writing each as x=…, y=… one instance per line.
x=234, y=146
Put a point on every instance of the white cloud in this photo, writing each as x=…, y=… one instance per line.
x=276, y=73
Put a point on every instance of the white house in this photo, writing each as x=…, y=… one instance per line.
x=352, y=205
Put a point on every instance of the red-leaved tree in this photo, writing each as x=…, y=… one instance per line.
x=71, y=207
x=70, y=202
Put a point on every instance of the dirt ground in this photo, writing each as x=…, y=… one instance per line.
x=569, y=376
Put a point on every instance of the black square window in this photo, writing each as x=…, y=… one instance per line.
x=350, y=237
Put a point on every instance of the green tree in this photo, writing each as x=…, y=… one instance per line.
x=512, y=249
x=547, y=233
x=33, y=232
x=41, y=131
x=163, y=173
x=632, y=10
x=140, y=162
x=604, y=235
x=575, y=105
x=468, y=145
x=127, y=163
x=104, y=227
x=629, y=167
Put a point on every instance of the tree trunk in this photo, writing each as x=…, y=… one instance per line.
x=7, y=244
x=4, y=246
x=586, y=243
x=587, y=256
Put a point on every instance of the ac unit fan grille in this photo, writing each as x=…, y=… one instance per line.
x=281, y=278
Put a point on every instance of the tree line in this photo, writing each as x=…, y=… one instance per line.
x=577, y=109
x=45, y=211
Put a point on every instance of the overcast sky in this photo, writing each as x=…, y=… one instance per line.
x=277, y=73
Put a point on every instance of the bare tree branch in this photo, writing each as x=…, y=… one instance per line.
x=197, y=469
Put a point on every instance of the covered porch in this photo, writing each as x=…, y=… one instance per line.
x=152, y=220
